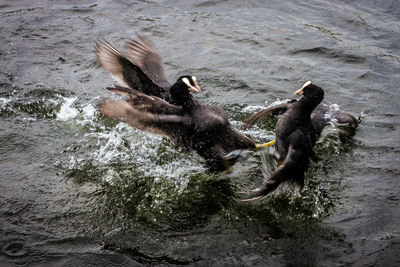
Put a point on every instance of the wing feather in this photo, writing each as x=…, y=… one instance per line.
x=123, y=70
x=143, y=102
x=173, y=127
x=143, y=54
x=253, y=119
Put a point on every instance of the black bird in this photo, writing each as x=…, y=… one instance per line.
x=156, y=106
x=189, y=124
x=141, y=68
x=295, y=138
x=322, y=116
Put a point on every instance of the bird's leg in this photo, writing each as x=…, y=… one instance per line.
x=265, y=144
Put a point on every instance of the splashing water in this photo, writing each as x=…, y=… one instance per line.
x=146, y=177
x=109, y=151
x=67, y=112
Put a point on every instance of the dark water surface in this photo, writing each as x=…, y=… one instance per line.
x=80, y=190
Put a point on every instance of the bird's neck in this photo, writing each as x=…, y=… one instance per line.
x=188, y=103
x=182, y=97
x=307, y=105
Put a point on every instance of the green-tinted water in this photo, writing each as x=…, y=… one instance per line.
x=80, y=189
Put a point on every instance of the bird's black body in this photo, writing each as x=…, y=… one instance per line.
x=193, y=125
x=295, y=138
x=298, y=120
x=156, y=106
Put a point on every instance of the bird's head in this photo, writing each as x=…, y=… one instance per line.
x=180, y=91
x=311, y=92
x=190, y=82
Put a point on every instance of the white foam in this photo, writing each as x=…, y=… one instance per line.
x=4, y=101
x=67, y=112
x=251, y=109
x=278, y=102
x=329, y=114
x=260, y=135
x=89, y=111
x=123, y=145
x=256, y=108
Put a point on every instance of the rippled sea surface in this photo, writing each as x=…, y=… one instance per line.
x=77, y=189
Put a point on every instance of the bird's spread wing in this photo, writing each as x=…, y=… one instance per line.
x=292, y=168
x=253, y=119
x=124, y=70
x=146, y=103
x=171, y=126
x=143, y=54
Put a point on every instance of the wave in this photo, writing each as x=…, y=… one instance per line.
x=331, y=53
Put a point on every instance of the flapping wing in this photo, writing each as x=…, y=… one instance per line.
x=253, y=119
x=146, y=103
x=143, y=54
x=170, y=126
x=125, y=71
x=328, y=113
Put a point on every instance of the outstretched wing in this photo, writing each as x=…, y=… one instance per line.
x=143, y=54
x=124, y=71
x=146, y=103
x=324, y=114
x=253, y=119
x=174, y=127
x=293, y=167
